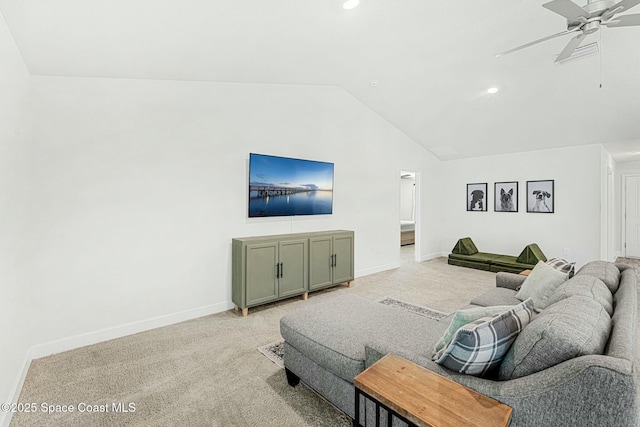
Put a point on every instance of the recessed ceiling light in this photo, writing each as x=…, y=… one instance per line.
x=350, y=4
x=492, y=90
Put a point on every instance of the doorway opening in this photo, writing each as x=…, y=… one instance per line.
x=631, y=221
x=409, y=215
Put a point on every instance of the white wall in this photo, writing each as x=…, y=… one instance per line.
x=622, y=169
x=141, y=185
x=15, y=194
x=575, y=225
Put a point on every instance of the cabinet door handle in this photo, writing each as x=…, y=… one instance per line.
x=335, y=260
x=281, y=270
x=277, y=270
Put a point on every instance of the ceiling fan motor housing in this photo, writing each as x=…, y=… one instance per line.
x=595, y=9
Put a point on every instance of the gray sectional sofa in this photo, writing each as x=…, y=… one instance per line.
x=328, y=343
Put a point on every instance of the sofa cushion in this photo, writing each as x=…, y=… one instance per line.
x=603, y=270
x=496, y=296
x=477, y=257
x=462, y=317
x=512, y=262
x=465, y=246
x=587, y=286
x=531, y=254
x=575, y=326
x=478, y=347
x=479, y=260
x=479, y=265
x=333, y=331
x=562, y=265
x=540, y=284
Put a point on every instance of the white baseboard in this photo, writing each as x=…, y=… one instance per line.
x=377, y=269
x=392, y=265
x=5, y=417
x=433, y=255
x=89, y=338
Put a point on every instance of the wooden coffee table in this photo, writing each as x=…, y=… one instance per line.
x=423, y=398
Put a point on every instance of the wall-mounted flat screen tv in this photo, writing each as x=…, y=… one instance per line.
x=281, y=186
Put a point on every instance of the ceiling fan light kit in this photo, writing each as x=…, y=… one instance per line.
x=585, y=20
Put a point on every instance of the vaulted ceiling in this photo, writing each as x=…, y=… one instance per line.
x=423, y=65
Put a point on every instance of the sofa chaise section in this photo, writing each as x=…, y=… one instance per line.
x=325, y=342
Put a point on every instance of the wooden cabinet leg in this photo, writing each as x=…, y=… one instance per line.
x=245, y=312
x=349, y=284
x=235, y=307
x=305, y=296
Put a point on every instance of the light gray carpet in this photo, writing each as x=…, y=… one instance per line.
x=207, y=372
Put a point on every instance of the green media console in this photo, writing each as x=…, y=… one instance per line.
x=270, y=268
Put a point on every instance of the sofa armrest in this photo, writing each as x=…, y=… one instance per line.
x=509, y=280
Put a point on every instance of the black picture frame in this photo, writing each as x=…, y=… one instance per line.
x=541, y=196
x=505, y=196
x=477, y=197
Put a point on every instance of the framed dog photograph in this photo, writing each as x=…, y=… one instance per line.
x=540, y=196
x=477, y=197
x=505, y=196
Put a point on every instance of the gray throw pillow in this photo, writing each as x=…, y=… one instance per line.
x=540, y=284
x=573, y=327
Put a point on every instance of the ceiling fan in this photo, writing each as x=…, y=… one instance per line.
x=585, y=20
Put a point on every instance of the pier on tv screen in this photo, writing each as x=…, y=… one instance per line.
x=282, y=186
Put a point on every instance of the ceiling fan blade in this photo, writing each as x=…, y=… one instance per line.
x=621, y=6
x=515, y=49
x=568, y=9
x=624, y=21
x=570, y=47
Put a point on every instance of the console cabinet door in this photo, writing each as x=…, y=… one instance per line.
x=343, y=262
x=294, y=274
x=320, y=262
x=262, y=283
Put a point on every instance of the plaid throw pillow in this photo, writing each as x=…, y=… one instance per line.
x=479, y=347
x=462, y=317
x=562, y=265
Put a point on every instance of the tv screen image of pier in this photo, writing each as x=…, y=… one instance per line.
x=282, y=186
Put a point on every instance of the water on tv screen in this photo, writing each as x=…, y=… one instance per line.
x=281, y=186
